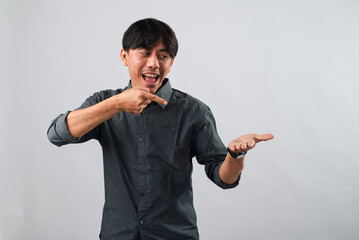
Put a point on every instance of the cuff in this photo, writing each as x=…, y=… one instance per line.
x=59, y=133
x=220, y=183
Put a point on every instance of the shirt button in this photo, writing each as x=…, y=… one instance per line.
x=141, y=139
x=141, y=167
x=141, y=222
x=141, y=194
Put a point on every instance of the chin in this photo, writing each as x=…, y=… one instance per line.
x=153, y=87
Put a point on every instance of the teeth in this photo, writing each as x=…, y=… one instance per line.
x=150, y=75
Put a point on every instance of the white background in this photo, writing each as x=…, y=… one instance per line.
x=286, y=67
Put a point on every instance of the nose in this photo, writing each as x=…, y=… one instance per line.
x=152, y=61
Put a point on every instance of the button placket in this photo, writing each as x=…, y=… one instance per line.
x=141, y=166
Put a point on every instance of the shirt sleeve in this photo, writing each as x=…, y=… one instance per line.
x=209, y=149
x=58, y=132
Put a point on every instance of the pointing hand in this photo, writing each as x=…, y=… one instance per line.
x=136, y=99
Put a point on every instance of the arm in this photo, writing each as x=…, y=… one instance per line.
x=232, y=168
x=134, y=100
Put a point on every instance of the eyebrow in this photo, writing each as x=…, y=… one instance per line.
x=164, y=50
x=161, y=50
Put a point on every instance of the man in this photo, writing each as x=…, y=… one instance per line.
x=149, y=134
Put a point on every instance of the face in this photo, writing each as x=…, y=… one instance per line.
x=147, y=67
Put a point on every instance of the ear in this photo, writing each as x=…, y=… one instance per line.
x=124, y=56
x=173, y=59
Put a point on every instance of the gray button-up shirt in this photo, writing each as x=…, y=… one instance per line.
x=147, y=161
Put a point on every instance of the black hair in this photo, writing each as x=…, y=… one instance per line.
x=147, y=33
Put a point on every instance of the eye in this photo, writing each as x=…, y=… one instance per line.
x=163, y=57
x=145, y=53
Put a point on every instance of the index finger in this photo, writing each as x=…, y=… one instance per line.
x=155, y=98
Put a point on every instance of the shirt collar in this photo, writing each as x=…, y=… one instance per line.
x=165, y=91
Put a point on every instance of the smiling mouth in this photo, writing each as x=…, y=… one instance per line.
x=152, y=78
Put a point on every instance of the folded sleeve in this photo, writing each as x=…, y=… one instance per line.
x=209, y=149
x=58, y=132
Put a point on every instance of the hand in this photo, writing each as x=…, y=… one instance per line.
x=136, y=99
x=247, y=142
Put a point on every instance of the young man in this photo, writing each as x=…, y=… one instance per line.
x=149, y=133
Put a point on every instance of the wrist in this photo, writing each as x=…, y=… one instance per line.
x=117, y=103
x=237, y=155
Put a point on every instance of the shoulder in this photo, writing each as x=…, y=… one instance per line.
x=100, y=96
x=192, y=102
x=104, y=94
